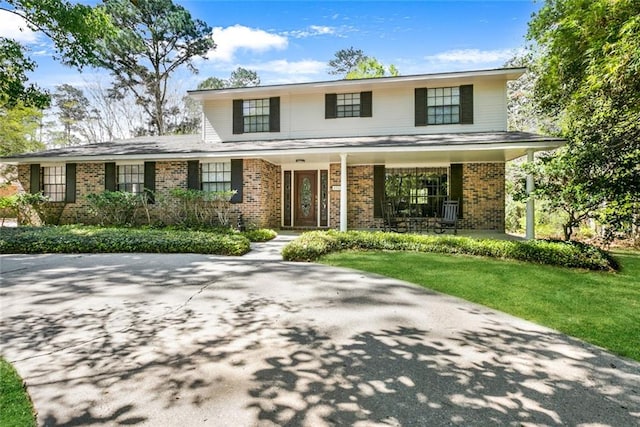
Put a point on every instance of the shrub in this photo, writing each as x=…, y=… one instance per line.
x=83, y=239
x=115, y=207
x=311, y=246
x=259, y=235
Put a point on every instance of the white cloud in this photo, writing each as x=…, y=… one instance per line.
x=15, y=27
x=472, y=56
x=312, y=31
x=231, y=39
x=282, y=66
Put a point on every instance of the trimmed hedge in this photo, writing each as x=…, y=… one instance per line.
x=83, y=239
x=259, y=235
x=312, y=245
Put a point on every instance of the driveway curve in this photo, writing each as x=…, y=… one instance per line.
x=177, y=340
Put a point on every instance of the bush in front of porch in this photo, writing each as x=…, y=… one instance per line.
x=311, y=246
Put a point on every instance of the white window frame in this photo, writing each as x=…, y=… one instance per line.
x=54, y=185
x=256, y=115
x=215, y=176
x=129, y=184
x=443, y=105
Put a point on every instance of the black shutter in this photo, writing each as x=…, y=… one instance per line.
x=238, y=120
x=110, y=176
x=70, y=183
x=421, y=107
x=274, y=114
x=236, y=180
x=455, y=186
x=150, y=180
x=379, y=176
x=193, y=175
x=366, y=101
x=466, y=104
x=330, y=106
x=34, y=179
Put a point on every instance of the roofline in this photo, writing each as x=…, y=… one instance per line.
x=540, y=145
x=509, y=73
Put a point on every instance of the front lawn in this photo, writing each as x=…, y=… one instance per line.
x=15, y=405
x=602, y=308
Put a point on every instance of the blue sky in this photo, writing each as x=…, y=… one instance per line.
x=292, y=41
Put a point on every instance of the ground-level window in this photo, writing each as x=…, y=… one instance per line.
x=53, y=182
x=417, y=192
x=131, y=178
x=215, y=176
x=255, y=114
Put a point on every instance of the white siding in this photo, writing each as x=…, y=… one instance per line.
x=302, y=115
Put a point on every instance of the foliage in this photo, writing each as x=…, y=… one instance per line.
x=37, y=209
x=14, y=92
x=193, y=208
x=240, y=77
x=588, y=70
x=18, y=126
x=77, y=239
x=345, y=60
x=371, y=68
x=73, y=28
x=259, y=234
x=117, y=208
x=16, y=408
x=73, y=107
x=310, y=246
x=154, y=39
x=599, y=307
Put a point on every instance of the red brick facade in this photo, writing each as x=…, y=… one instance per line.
x=483, y=193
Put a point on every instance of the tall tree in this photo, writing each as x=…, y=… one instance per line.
x=73, y=108
x=589, y=75
x=369, y=68
x=14, y=65
x=18, y=127
x=154, y=39
x=345, y=60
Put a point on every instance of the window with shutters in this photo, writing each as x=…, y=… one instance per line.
x=443, y=105
x=131, y=178
x=255, y=115
x=348, y=105
x=53, y=179
x=215, y=176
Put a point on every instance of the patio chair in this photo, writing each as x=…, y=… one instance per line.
x=390, y=220
x=449, y=217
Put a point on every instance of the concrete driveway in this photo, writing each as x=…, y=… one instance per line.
x=187, y=340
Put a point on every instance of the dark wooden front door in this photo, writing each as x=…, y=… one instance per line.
x=305, y=213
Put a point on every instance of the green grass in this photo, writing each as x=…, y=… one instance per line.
x=15, y=405
x=602, y=308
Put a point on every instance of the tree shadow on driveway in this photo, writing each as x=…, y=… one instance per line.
x=184, y=340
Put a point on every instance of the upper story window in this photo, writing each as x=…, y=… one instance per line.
x=54, y=182
x=256, y=115
x=357, y=104
x=131, y=178
x=444, y=105
x=348, y=105
x=215, y=176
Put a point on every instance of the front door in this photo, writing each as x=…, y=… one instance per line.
x=305, y=213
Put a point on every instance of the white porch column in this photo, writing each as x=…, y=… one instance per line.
x=531, y=223
x=343, y=192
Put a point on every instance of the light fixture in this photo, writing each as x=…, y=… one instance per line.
x=299, y=160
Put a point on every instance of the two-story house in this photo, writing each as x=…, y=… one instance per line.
x=318, y=155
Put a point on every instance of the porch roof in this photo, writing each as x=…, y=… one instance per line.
x=432, y=148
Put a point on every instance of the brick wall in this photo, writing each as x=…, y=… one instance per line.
x=261, y=194
x=359, y=197
x=483, y=194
